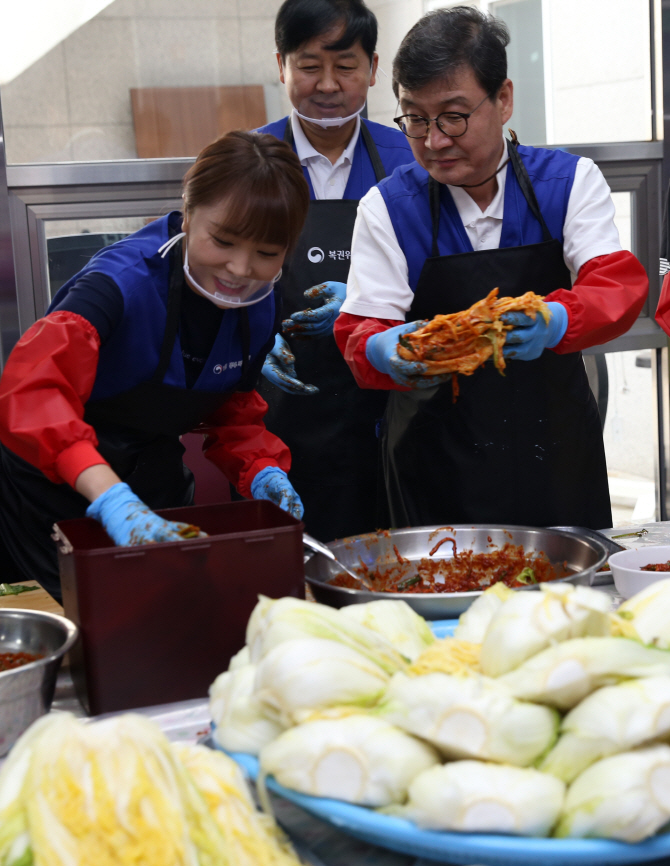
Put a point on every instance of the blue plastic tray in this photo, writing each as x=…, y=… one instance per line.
x=463, y=848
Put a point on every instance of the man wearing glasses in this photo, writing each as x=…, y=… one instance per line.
x=480, y=212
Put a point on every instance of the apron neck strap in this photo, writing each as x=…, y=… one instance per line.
x=172, y=316
x=373, y=153
x=177, y=281
x=245, y=340
x=526, y=185
x=434, y=195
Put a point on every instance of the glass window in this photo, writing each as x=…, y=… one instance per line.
x=71, y=243
x=629, y=437
x=525, y=66
x=622, y=218
x=581, y=70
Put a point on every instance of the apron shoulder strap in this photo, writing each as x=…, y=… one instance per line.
x=245, y=340
x=523, y=180
x=373, y=153
x=434, y=197
x=526, y=186
x=173, y=311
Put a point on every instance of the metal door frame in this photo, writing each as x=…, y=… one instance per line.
x=70, y=191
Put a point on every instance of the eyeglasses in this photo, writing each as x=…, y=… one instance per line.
x=451, y=123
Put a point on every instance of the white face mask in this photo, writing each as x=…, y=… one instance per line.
x=244, y=292
x=329, y=122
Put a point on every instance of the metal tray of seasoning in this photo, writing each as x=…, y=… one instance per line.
x=577, y=556
x=603, y=576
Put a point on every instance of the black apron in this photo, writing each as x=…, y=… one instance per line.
x=333, y=434
x=138, y=434
x=523, y=449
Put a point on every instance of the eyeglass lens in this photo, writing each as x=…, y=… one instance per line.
x=450, y=124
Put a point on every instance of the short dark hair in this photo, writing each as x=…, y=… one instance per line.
x=298, y=21
x=448, y=39
x=262, y=179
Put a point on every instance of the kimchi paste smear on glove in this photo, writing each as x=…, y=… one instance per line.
x=462, y=342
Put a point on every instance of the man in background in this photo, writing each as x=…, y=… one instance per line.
x=327, y=62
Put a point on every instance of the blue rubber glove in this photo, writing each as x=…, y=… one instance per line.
x=318, y=322
x=530, y=338
x=128, y=521
x=381, y=352
x=272, y=484
x=279, y=368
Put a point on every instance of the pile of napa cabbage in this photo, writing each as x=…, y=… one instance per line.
x=545, y=714
x=117, y=793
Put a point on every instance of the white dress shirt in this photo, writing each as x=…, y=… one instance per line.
x=378, y=277
x=329, y=180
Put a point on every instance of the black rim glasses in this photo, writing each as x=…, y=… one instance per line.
x=451, y=123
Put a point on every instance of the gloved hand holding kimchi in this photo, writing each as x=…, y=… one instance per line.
x=461, y=342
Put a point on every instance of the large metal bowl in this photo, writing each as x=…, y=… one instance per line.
x=26, y=692
x=582, y=557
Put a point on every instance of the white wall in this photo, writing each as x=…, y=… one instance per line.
x=74, y=103
x=395, y=19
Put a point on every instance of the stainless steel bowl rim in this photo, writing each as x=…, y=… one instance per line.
x=71, y=635
x=394, y=533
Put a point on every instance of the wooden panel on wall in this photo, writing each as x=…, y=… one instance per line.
x=180, y=121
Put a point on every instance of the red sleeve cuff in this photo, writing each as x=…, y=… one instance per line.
x=246, y=477
x=71, y=462
x=351, y=335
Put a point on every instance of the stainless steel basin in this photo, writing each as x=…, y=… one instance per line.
x=581, y=555
x=26, y=692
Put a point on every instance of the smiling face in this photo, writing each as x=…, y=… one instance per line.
x=221, y=261
x=322, y=83
x=469, y=158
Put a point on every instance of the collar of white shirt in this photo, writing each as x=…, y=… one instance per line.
x=469, y=210
x=307, y=153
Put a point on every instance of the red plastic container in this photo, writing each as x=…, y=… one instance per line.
x=159, y=622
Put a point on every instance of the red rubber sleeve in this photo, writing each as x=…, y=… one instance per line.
x=47, y=380
x=605, y=300
x=238, y=442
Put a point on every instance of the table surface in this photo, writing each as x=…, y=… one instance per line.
x=317, y=842
x=657, y=533
x=37, y=599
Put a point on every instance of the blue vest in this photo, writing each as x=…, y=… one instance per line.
x=392, y=145
x=551, y=172
x=131, y=354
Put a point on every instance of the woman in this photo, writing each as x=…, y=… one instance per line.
x=161, y=332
